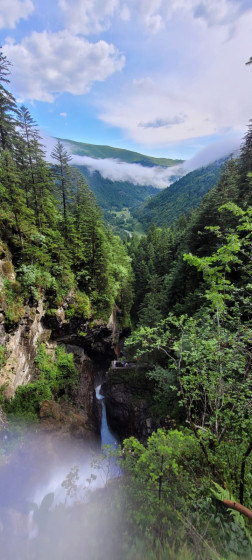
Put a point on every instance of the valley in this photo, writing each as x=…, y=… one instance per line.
x=125, y=319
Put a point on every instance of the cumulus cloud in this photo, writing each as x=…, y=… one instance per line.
x=210, y=87
x=12, y=11
x=88, y=16
x=144, y=115
x=64, y=114
x=46, y=64
x=155, y=14
x=94, y=16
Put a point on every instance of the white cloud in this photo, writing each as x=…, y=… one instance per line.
x=156, y=176
x=206, y=93
x=63, y=114
x=88, y=16
x=155, y=14
x=47, y=64
x=125, y=13
x=11, y=11
x=135, y=173
x=150, y=14
x=213, y=152
x=94, y=16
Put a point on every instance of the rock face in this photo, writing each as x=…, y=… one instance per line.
x=62, y=419
x=3, y=421
x=96, y=339
x=21, y=348
x=83, y=418
x=93, y=346
x=128, y=412
x=84, y=396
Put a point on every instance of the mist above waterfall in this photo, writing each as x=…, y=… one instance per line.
x=48, y=505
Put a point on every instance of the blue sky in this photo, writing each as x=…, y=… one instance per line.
x=163, y=77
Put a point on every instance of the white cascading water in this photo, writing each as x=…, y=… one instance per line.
x=107, y=437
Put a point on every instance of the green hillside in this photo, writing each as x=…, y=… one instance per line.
x=102, y=152
x=183, y=195
x=116, y=194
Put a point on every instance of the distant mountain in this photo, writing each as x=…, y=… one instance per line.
x=102, y=152
x=183, y=195
x=116, y=194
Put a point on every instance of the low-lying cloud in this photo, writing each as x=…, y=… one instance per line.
x=160, y=177
x=157, y=176
x=213, y=152
x=135, y=173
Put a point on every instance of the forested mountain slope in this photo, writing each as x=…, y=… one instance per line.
x=116, y=195
x=183, y=195
x=51, y=224
x=192, y=315
x=102, y=152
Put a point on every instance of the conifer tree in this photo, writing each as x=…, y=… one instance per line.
x=245, y=167
x=62, y=173
x=8, y=107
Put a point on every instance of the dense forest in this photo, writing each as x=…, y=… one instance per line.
x=185, y=290
x=51, y=223
x=180, y=198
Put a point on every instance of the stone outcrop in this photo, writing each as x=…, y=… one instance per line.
x=3, y=421
x=128, y=411
x=93, y=344
x=21, y=348
x=62, y=418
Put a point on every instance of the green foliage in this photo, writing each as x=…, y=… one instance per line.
x=179, y=198
x=2, y=355
x=116, y=194
x=34, y=279
x=210, y=353
x=168, y=502
x=13, y=296
x=57, y=375
x=51, y=222
x=80, y=308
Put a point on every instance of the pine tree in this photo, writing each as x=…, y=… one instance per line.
x=62, y=173
x=245, y=168
x=8, y=107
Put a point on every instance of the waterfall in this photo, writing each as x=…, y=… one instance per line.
x=107, y=437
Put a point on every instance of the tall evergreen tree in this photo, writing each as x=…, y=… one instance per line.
x=245, y=168
x=8, y=107
x=62, y=173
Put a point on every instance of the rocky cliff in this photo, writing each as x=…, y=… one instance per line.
x=91, y=345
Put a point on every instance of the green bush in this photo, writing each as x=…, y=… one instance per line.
x=58, y=375
x=80, y=308
x=2, y=355
x=15, y=302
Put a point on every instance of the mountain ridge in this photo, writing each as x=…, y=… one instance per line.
x=100, y=151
